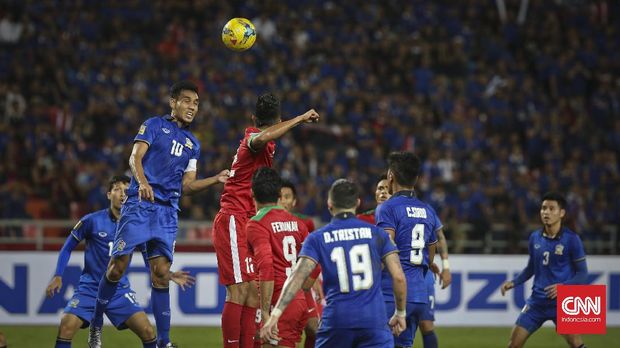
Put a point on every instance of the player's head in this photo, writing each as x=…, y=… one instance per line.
x=382, y=193
x=552, y=208
x=288, y=195
x=266, y=184
x=116, y=190
x=184, y=101
x=403, y=170
x=267, y=110
x=343, y=196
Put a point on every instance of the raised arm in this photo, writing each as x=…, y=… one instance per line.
x=277, y=130
x=135, y=163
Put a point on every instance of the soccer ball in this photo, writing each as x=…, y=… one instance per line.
x=239, y=34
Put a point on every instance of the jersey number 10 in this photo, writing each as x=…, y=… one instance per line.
x=361, y=267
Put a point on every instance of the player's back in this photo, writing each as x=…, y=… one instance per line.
x=237, y=195
x=170, y=151
x=286, y=235
x=415, y=224
x=350, y=254
x=97, y=230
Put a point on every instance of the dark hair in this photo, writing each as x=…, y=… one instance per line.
x=382, y=177
x=266, y=184
x=405, y=166
x=267, y=110
x=116, y=179
x=343, y=194
x=178, y=87
x=555, y=196
x=288, y=184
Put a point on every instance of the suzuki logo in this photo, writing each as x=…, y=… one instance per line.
x=573, y=305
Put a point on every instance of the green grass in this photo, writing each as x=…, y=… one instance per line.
x=44, y=336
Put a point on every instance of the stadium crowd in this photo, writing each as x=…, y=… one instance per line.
x=500, y=111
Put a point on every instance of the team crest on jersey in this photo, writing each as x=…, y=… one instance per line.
x=102, y=234
x=121, y=245
x=559, y=249
x=166, y=130
x=74, y=303
x=142, y=129
x=189, y=144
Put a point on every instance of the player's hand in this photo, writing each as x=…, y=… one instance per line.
x=223, y=176
x=269, y=331
x=397, y=324
x=310, y=116
x=507, y=286
x=183, y=279
x=434, y=268
x=54, y=286
x=146, y=191
x=552, y=291
x=445, y=278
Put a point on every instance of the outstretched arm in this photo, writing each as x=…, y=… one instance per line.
x=192, y=185
x=277, y=130
x=526, y=274
x=63, y=259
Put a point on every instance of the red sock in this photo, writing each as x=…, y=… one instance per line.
x=231, y=324
x=248, y=327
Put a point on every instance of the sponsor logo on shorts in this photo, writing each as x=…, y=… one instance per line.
x=74, y=303
x=120, y=245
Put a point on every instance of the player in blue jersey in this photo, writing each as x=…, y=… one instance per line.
x=556, y=257
x=413, y=226
x=97, y=230
x=350, y=253
x=163, y=162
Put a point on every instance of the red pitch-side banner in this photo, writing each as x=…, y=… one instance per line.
x=581, y=309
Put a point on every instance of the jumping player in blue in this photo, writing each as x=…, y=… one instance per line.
x=97, y=230
x=350, y=252
x=556, y=257
x=413, y=226
x=163, y=162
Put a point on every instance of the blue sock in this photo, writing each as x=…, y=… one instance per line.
x=107, y=289
x=150, y=344
x=62, y=343
x=430, y=340
x=160, y=301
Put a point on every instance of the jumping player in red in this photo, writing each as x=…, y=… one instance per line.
x=275, y=237
x=288, y=200
x=236, y=207
x=381, y=195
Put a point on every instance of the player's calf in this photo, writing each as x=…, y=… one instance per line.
x=69, y=325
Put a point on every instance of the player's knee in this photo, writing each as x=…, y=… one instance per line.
x=67, y=329
x=146, y=332
x=237, y=293
x=116, y=269
x=160, y=275
x=426, y=327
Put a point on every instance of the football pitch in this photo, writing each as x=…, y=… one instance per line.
x=185, y=337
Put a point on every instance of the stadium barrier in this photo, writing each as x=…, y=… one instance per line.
x=473, y=299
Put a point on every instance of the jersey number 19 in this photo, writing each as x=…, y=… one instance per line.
x=361, y=267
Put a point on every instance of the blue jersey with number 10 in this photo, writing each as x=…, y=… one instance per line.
x=350, y=253
x=172, y=151
x=415, y=224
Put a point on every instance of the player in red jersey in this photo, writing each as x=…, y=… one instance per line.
x=381, y=195
x=288, y=200
x=275, y=237
x=236, y=206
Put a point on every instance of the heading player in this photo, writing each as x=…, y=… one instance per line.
x=163, y=162
x=275, y=237
x=556, y=257
x=413, y=225
x=350, y=253
x=234, y=263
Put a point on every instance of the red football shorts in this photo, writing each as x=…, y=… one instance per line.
x=292, y=322
x=234, y=262
x=312, y=306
